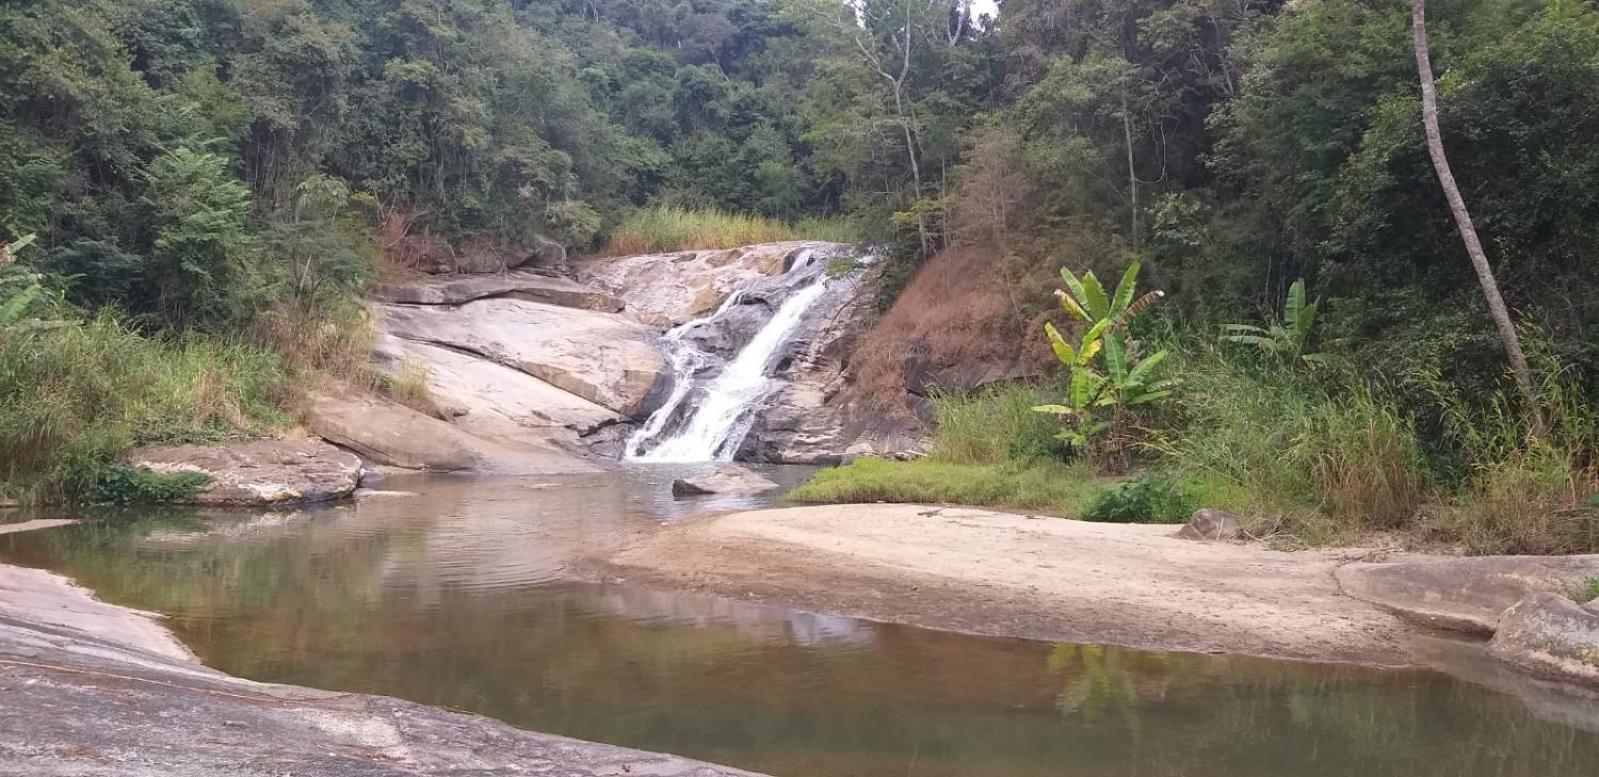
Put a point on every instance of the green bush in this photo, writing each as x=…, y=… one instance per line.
x=120, y=484
x=1149, y=499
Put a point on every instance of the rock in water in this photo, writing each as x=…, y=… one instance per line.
x=1208, y=523
x=262, y=472
x=727, y=479
x=1550, y=635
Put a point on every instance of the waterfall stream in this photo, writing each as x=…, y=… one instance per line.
x=725, y=410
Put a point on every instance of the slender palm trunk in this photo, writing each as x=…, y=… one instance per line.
x=1457, y=206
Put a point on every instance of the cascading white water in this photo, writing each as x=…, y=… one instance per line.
x=724, y=412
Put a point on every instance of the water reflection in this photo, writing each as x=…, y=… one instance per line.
x=457, y=597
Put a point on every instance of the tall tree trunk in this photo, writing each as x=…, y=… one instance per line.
x=1457, y=206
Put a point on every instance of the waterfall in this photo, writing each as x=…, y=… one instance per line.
x=725, y=411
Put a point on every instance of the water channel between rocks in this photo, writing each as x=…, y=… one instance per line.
x=462, y=597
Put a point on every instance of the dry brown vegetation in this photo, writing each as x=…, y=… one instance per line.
x=969, y=317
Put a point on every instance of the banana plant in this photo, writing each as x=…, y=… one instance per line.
x=1288, y=337
x=1106, y=374
x=13, y=307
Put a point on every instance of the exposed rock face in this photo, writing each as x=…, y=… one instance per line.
x=533, y=287
x=602, y=358
x=495, y=401
x=664, y=290
x=391, y=434
x=93, y=689
x=1208, y=523
x=814, y=417
x=1550, y=635
x=261, y=472
x=1464, y=594
x=726, y=479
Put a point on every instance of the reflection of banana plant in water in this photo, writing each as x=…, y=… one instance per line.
x=1095, y=683
x=1289, y=337
x=1107, y=376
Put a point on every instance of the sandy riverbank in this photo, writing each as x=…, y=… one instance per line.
x=1001, y=574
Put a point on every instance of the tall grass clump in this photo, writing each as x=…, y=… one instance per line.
x=994, y=425
x=1527, y=489
x=1303, y=447
x=79, y=392
x=669, y=228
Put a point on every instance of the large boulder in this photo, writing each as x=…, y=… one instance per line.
x=1549, y=635
x=1463, y=594
x=260, y=472
x=664, y=290
x=395, y=435
x=495, y=401
x=520, y=285
x=605, y=359
x=725, y=479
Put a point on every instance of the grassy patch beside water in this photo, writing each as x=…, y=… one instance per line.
x=80, y=393
x=1051, y=487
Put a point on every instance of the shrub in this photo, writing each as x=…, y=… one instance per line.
x=1149, y=499
x=120, y=484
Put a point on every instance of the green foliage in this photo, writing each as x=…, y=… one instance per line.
x=79, y=393
x=1294, y=444
x=120, y=484
x=1152, y=498
x=1106, y=376
x=1590, y=588
x=1288, y=338
x=993, y=426
x=1055, y=488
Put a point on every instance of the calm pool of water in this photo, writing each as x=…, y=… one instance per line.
x=460, y=597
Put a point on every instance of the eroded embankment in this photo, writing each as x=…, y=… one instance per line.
x=87, y=688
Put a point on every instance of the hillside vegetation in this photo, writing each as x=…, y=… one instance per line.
x=198, y=190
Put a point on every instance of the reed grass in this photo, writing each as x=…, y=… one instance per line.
x=663, y=229
x=81, y=392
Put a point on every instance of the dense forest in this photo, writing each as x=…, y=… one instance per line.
x=211, y=182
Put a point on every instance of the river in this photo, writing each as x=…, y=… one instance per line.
x=467, y=596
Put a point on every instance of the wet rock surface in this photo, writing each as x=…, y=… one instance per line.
x=814, y=416
x=110, y=693
x=1469, y=595
x=726, y=479
x=259, y=472
x=1549, y=635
